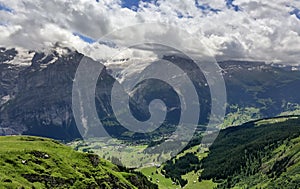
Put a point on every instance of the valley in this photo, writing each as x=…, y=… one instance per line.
x=149, y=94
x=258, y=154
x=37, y=102
x=38, y=95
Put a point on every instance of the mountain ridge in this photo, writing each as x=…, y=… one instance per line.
x=36, y=98
x=259, y=154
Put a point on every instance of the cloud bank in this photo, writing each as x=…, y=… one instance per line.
x=240, y=29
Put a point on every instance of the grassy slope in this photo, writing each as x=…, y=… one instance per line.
x=44, y=163
x=261, y=145
x=154, y=174
x=259, y=154
x=282, y=170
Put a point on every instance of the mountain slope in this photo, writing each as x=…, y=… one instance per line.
x=263, y=153
x=28, y=162
x=36, y=94
x=258, y=154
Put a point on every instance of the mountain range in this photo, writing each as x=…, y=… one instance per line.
x=36, y=92
x=36, y=99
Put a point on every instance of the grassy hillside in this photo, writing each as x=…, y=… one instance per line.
x=32, y=162
x=258, y=154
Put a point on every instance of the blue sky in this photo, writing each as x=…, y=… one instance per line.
x=5, y=8
x=85, y=38
x=132, y=3
x=296, y=12
x=230, y=4
x=205, y=7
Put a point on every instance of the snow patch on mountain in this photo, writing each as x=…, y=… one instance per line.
x=22, y=58
x=127, y=68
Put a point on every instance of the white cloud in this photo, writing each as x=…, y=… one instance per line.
x=263, y=30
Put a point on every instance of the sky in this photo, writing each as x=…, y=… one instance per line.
x=232, y=29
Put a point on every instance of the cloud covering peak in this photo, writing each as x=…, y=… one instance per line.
x=240, y=29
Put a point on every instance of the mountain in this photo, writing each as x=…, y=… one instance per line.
x=262, y=154
x=36, y=93
x=256, y=84
x=39, y=95
x=32, y=162
x=259, y=154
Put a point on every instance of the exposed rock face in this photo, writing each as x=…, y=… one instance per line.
x=36, y=92
x=38, y=95
x=12, y=63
